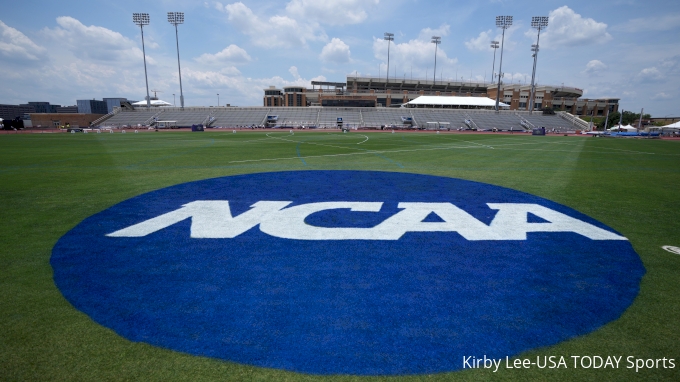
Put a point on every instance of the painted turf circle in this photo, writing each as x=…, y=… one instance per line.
x=364, y=307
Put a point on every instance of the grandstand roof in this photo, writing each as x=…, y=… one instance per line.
x=675, y=125
x=154, y=102
x=474, y=102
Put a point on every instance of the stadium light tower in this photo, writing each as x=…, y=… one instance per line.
x=436, y=40
x=142, y=19
x=503, y=22
x=176, y=18
x=494, y=45
x=389, y=37
x=538, y=22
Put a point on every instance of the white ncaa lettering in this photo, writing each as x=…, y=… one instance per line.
x=290, y=223
x=210, y=219
x=511, y=222
x=213, y=220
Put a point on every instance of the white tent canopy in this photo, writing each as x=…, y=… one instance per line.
x=627, y=128
x=672, y=126
x=154, y=102
x=455, y=102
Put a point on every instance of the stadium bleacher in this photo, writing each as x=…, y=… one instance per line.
x=352, y=117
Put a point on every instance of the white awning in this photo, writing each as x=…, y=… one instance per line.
x=675, y=125
x=154, y=102
x=472, y=102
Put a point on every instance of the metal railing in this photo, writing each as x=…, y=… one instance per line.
x=524, y=122
x=153, y=118
x=575, y=121
x=103, y=118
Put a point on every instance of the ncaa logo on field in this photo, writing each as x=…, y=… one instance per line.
x=346, y=272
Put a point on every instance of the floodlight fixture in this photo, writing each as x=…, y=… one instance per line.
x=142, y=19
x=436, y=40
x=176, y=18
x=537, y=22
x=503, y=22
x=494, y=45
x=388, y=37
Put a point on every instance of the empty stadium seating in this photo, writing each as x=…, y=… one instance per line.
x=352, y=117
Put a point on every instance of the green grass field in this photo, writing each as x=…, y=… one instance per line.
x=51, y=182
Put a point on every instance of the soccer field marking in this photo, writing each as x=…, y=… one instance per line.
x=363, y=140
x=607, y=148
x=404, y=151
x=478, y=144
x=671, y=249
x=372, y=152
x=297, y=149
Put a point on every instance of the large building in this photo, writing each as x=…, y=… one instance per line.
x=293, y=96
x=14, y=111
x=380, y=92
x=558, y=98
x=91, y=106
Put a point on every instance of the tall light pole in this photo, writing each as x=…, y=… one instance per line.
x=436, y=40
x=142, y=19
x=388, y=37
x=176, y=18
x=173, y=100
x=494, y=45
x=218, y=99
x=503, y=22
x=538, y=22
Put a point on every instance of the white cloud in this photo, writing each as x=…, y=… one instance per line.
x=568, y=28
x=276, y=31
x=94, y=42
x=649, y=74
x=662, y=96
x=519, y=78
x=336, y=52
x=294, y=71
x=16, y=46
x=237, y=89
x=418, y=53
x=233, y=54
x=481, y=43
x=336, y=12
x=663, y=23
x=427, y=33
x=594, y=66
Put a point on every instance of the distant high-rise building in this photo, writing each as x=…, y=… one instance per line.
x=113, y=102
x=67, y=109
x=43, y=107
x=91, y=106
x=13, y=111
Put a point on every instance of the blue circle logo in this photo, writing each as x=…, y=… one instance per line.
x=346, y=272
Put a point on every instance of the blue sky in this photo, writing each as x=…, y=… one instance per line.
x=63, y=51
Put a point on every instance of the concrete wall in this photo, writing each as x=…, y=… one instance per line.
x=49, y=119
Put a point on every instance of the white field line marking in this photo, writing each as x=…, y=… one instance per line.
x=611, y=148
x=355, y=153
x=478, y=144
x=347, y=136
x=401, y=151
